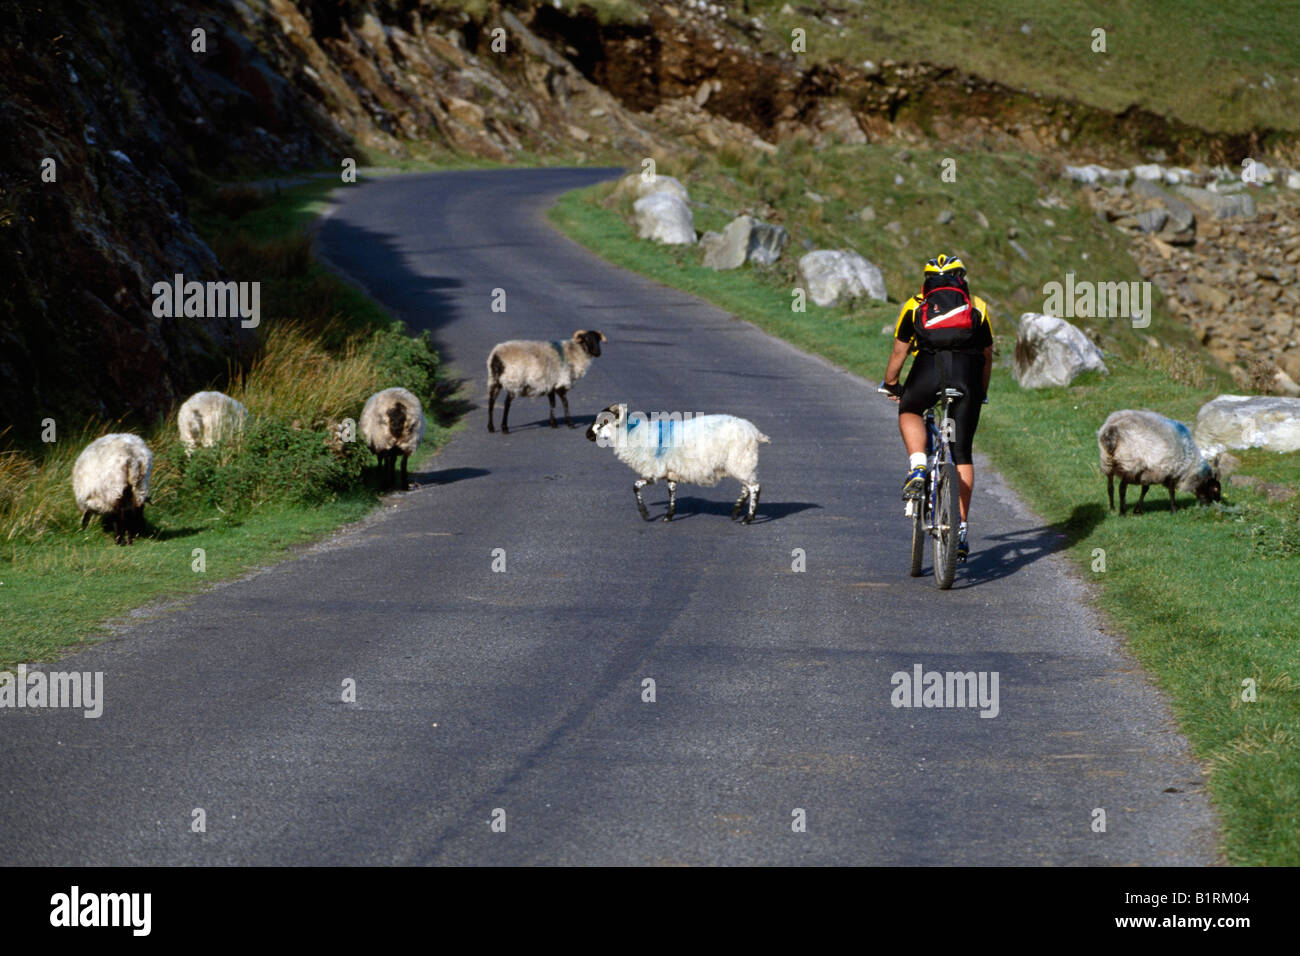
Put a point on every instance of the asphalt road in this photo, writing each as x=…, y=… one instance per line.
x=522, y=690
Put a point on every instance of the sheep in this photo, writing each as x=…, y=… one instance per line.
x=207, y=417
x=392, y=423
x=526, y=368
x=1145, y=448
x=700, y=450
x=111, y=478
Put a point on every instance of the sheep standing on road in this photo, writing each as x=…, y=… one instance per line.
x=392, y=423
x=111, y=478
x=209, y=417
x=701, y=450
x=1145, y=448
x=526, y=368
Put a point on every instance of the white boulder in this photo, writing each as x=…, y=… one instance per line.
x=638, y=186
x=745, y=239
x=664, y=217
x=1248, y=421
x=1052, y=352
x=1151, y=171
x=834, y=276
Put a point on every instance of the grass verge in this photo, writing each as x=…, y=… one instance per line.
x=324, y=347
x=1208, y=596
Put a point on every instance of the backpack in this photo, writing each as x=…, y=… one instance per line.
x=945, y=319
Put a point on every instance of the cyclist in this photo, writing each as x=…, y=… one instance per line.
x=948, y=332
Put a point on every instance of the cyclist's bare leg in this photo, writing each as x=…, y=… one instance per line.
x=966, y=482
x=912, y=427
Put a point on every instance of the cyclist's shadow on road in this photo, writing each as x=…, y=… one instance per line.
x=997, y=556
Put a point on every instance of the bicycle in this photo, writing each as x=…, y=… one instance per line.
x=937, y=512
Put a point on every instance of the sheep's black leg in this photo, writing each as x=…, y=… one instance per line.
x=564, y=397
x=119, y=524
x=550, y=397
x=740, y=502
x=1123, y=489
x=505, y=415
x=405, y=458
x=1110, y=490
x=492, y=401
x=1137, y=508
x=1170, y=486
x=672, y=501
x=753, y=503
x=85, y=520
x=640, y=502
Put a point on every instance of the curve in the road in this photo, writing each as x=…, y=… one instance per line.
x=523, y=690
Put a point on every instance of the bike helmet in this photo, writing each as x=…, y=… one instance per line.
x=945, y=265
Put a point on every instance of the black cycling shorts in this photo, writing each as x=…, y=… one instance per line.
x=932, y=371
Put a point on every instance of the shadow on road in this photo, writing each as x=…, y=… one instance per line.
x=448, y=476
x=688, y=506
x=1001, y=555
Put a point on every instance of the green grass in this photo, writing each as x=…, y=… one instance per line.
x=324, y=348
x=1206, y=63
x=1207, y=597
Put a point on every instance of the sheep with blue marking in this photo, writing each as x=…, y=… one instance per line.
x=525, y=368
x=700, y=450
x=1146, y=448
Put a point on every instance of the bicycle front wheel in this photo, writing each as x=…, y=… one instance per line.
x=918, y=536
x=947, y=517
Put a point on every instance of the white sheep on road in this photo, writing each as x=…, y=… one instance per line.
x=700, y=450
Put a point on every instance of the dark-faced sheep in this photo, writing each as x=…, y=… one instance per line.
x=111, y=478
x=392, y=424
x=1145, y=448
x=524, y=368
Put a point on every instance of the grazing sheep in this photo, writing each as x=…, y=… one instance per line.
x=111, y=478
x=700, y=450
x=209, y=417
x=392, y=423
x=526, y=368
x=1144, y=448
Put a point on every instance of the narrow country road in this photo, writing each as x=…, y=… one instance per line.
x=522, y=690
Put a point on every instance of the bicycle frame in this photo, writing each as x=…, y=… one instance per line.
x=938, y=439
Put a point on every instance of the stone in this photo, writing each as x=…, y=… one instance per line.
x=637, y=186
x=663, y=217
x=835, y=276
x=1220, y=206
x=1245, y=421
x=944, y=217
x=1149, y=172
x=1052, y=352
x=745, y=239
x=1152, y=221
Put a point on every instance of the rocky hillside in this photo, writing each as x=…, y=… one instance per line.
x=140, y=114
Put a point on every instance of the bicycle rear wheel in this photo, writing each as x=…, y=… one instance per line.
x=918, y=536
x=946, y=519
